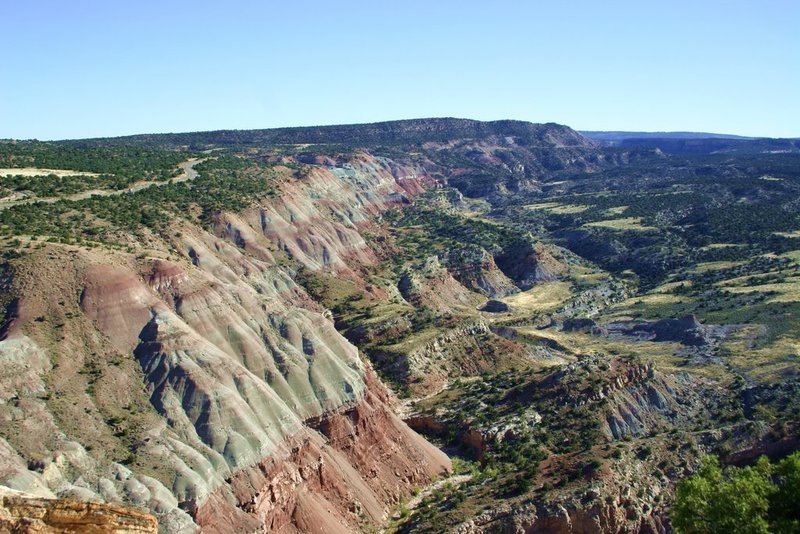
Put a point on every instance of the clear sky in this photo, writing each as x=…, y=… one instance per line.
x=81, y=68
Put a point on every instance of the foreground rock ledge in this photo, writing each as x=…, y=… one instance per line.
x=21, y=513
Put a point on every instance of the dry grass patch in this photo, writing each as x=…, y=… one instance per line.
x=32, y=171
x=788, y=291
x=767, y=363
x=670, y=286
x=663, y=354
x=713, y=246
x=587, y=275
x=651, y=299
x=558, y=208
x=618, y=210
x=716, y=265
x=793, y=233
x=625, y=223
x=793, y=255
x=543, y=297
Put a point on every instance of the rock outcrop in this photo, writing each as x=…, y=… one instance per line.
x=586, y=326
x=640, y=400
x=347, y=471
x=495, y=306
x=317, y=220
x=529, y=263
x=560, y=519
x=21, y=514
x=476, y=269
x=687, y=331
x=428, y=360
x=433, y=287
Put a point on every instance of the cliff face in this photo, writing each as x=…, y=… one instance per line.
x=198, y=380
x=344, y=473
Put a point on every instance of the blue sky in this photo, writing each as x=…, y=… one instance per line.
x=82, y=68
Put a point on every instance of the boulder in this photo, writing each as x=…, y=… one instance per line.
x=495, y=306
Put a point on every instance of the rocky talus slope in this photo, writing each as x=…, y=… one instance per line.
x=197, y=380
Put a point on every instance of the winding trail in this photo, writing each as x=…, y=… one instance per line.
x=188, y=174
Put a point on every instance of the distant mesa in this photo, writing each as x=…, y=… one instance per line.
x=694, y=142
x=401, y=132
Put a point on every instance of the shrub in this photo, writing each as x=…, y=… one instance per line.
x=758, y=499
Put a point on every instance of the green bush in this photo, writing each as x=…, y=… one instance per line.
x=759, y=499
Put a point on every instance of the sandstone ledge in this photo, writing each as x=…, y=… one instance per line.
x=20, y=513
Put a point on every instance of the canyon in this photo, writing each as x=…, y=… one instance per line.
x=289, y=333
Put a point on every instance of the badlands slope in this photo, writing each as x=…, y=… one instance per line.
x=195, y=379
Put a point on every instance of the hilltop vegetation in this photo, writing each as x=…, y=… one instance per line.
x=226, y=183
x=124, y=162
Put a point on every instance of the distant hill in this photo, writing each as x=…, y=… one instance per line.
x=694, y=142
x=615, y=137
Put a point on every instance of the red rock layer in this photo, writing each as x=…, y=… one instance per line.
x=361, y=460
